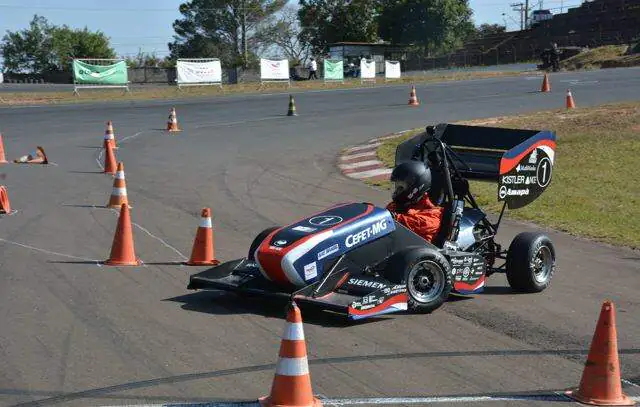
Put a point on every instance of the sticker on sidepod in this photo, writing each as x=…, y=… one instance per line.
x=304, y=229
x=328, y=251
x=310, y=271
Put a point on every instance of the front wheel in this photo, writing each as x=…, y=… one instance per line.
x=531, y=262
x=427, y=275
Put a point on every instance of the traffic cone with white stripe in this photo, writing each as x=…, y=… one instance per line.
x=109, y=136
x=123, y=252
x=119, y=191
x=292, y=383
x=110, y=165
x=5, y=205
x=3, y=159
x=570, y=103
x=203, y=252
x=546, y=86
x=413, y=98
x=172, y=124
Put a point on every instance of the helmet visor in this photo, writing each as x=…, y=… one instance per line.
x=399, y=187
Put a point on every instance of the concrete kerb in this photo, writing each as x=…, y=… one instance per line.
x=360, y=161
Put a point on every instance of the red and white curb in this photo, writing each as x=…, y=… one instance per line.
x=361, y=161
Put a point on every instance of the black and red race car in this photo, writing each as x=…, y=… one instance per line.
x=356, y=259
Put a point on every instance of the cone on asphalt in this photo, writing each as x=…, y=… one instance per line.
x=122, y=249
x=570, y=103
x=172, y=124
x=546, y=87
x=292, y=107
x=35, y=157
x=413, y=98
x=600, y=384
x=291, y=385
x=119, y=191
x=3, y=159
x=110, y=165
x=109, y=136
x=203, y=252
x=5, y=205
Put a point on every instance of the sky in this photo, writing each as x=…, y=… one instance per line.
x=147, y=25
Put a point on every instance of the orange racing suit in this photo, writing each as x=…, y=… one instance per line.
x=423, y=217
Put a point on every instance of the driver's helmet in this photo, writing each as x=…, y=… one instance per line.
x=411, y=180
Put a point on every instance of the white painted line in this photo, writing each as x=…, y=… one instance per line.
x=359, y=164
x=25, y=246
x=358, y=155
x=364, y=147
x=630, y=383
x=370, y=173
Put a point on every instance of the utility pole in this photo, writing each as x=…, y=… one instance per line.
x=526, y=14
x=520, y=8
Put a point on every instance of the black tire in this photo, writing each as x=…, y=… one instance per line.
x=256, y=242
x=408, y=264
x=531, y=262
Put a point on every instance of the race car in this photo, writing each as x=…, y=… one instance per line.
x=355, y=259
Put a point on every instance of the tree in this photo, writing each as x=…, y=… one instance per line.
x=435, y=25
x=220, y=28
x=44, y=47
x=281, y=36
x=486, y=30
x=328, y=21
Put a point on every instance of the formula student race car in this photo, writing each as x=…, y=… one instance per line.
x=354, y=258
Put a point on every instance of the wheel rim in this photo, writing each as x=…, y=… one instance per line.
x=542, y=264
x=425, y=281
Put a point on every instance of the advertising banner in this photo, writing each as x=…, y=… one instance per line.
x=199, y=72
x=274, y=70
x=333, y=70
x=392, y=69
x=367, y=69
x=113, y=74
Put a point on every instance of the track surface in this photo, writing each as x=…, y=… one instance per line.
x=76, y=334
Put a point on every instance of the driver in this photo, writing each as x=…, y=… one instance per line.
x=411, y=205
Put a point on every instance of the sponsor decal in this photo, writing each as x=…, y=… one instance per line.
x=521, y=167
x=365, y=234
x=310, y=271
x=280, y=243
x=275, y=248
x=304, y=229
x=504, y=192
x=534, y=156
x=543, y=172
x=466, y=271
x=325, y=220
x=365, y=283
x=328, y=251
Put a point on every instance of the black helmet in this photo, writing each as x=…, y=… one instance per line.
x=412, y=179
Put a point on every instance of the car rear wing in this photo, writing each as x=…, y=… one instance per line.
x=520, y=161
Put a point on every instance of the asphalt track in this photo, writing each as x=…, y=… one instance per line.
x=73, y=333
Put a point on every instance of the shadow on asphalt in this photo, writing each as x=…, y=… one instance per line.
x=85, y=206
x=498, y=290
x=224, y=303
x=86, y=172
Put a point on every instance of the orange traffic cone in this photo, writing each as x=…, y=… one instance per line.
x=109, y=136
x=5, y=205
x=3, y=159
x=292, y=383
x=110, y=165
x=122, y=249
x=203, y=252
x=36, y=157
x=119, y=191
x=546, y=87
x=570, y=103
x=172, y=124
x=601, y=384
x=413, y=99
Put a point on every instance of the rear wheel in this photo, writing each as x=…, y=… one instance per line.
x=427, y=275
x=256, y=242
x=531, y=262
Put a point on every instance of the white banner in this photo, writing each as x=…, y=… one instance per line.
x=392, y=69
x=1, y=77
x=199, y=72
x=367, y=69
x=274, y=70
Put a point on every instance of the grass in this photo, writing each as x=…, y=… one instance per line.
x=595, y=192
x=610, y=56
x=171, y=92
